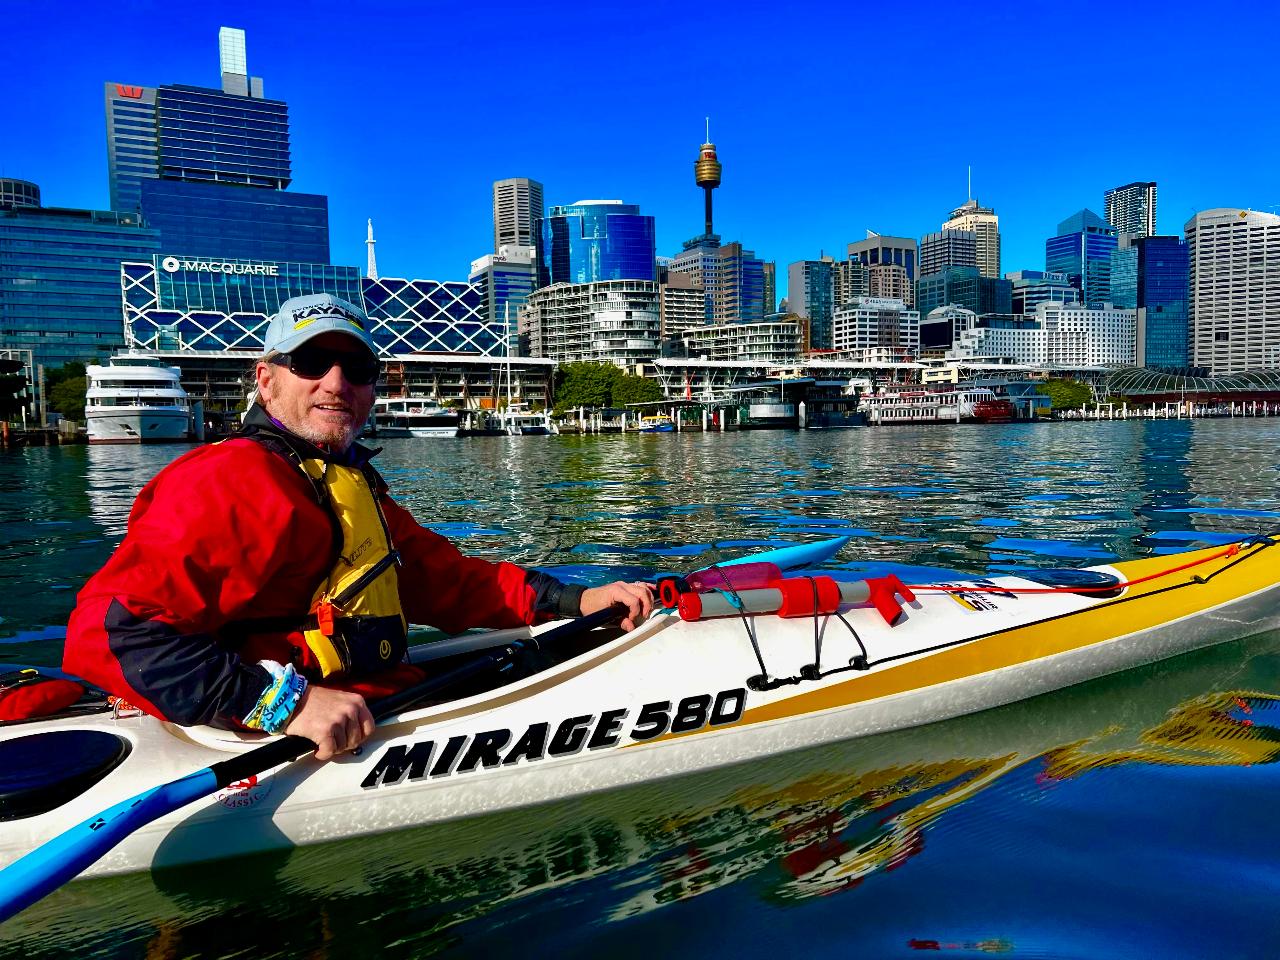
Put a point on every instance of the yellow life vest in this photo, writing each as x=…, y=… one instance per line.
x=356, y=624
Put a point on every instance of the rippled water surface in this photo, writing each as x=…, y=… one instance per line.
x=1128, y=816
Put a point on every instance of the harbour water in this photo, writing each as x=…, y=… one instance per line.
x=1127, y=816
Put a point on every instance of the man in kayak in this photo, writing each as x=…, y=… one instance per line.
x=267, y=581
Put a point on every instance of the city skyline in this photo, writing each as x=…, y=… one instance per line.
x=430, y=196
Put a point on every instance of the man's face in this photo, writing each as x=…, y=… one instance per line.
x=327, y=411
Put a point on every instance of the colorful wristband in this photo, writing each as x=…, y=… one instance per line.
x=276, y=705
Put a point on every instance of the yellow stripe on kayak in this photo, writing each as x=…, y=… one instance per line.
x=1142, y=607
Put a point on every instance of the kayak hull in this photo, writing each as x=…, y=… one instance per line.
x=667, y=699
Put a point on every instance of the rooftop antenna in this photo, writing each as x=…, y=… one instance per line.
x=970, y=196
x=372, y=271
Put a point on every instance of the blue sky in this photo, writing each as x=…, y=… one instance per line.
x=830, y=119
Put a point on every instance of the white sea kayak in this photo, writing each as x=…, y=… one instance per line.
x=668, y=698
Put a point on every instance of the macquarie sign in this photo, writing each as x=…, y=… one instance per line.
x=174, y=264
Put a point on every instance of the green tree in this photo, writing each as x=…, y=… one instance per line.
x=67, y=397
x=585, y=385
x=632, y=389
x=68, y=371
x=1066, y=394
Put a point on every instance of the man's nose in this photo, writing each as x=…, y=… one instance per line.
x=334, y=380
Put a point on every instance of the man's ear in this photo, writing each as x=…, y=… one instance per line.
x=262, y=379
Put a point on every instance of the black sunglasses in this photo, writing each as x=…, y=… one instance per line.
x=312, y=363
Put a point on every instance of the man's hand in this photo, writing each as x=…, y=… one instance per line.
x=335, y=720
x=636, y=597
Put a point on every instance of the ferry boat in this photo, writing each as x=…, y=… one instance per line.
x=136, y=398
x=965, y=405
x=413, y=417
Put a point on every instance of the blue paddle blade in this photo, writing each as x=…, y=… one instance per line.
x=794, y=556
x=54, y=863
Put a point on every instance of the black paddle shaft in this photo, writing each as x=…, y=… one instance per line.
x=290, y=748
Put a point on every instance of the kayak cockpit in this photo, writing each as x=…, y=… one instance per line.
x=42, y=771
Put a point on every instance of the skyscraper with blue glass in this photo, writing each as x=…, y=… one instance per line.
x=1152, y=275
x=60, y=277
x=209, y=168
x=595, y=240
x=1082, y=250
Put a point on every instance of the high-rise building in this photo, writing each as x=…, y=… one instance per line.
x=732, y=277
x=1234, y=290
x=948, y=248
x=60, y=276
x=770, y=287
x=505, y=279
x=985, y=226
x=517, y=208
x=682, y=304
x=850, y=281
x=1078, y=335
x=889, y=281
x=811, y=295
x=596, y=240
x=740, y=294
x=610, y=321
x=883, y=251
x=771, y=341
x=181, y=153
x=1131, y=209
x=1082, y=250
x=232, y=223
x=963, y=287
x=870, y=322
x=1152, y=276
x=1034, y=287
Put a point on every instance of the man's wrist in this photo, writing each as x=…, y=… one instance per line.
x=570, y=604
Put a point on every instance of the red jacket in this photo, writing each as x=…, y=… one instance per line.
x=233, y=532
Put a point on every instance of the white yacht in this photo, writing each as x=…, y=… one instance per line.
x=136, y=398
x=413, y=417
x=518, y=420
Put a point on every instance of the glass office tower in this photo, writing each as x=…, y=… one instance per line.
x=208, y=135
x=60, y=280
x=209, y=168
x=964, y=287
x=594, y=240
x=237, y=223
x=1082, y=250
x=1163, y=285
x=1124, y=275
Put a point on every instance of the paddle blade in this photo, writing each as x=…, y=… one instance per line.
x=59, y=860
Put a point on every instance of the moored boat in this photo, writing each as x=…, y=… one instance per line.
x=656, y=424
x=962, y=405
x=671, y=697
x=413, y=417
x=135, y=398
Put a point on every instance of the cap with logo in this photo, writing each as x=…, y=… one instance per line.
x=301, y=318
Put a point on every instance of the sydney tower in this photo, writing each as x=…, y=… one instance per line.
x=706, y=172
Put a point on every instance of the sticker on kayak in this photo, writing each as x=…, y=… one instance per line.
x=504, y=748
x=243, y=793
x=977, y=601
